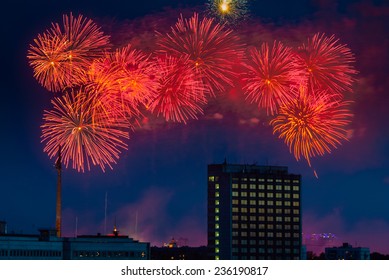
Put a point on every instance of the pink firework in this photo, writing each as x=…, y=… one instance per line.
x=179, y=96
x=328, y=64
x=86, y=134
x=212, y=49
x=128, y=77
x=271, y=72
x=61, y=56
x=312, y=124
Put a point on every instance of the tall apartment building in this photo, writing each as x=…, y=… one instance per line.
x=254, y=212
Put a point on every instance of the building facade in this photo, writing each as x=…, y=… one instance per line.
x=347, y=252
x=47, y=246
x=254, y=212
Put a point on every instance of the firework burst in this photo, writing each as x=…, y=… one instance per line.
x=271, y=72
x=86, y=134
x=328, y=64
x=212, y=49
x=127, y=76
x=228, y=11
x=62, y=55
x=312, y=124
x=179, y=96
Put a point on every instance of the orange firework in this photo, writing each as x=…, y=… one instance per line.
x=179, y=96
x=328, y=64
x=86, y=134
x=212, y=49
x=312, y=124
x=271, y=71
x=128, y=77
x=61, y=56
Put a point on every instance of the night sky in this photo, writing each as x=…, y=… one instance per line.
x=158, y=189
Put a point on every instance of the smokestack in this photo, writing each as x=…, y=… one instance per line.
x=58, y=217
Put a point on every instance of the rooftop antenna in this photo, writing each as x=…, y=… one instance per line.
x=105, y=213
x=58, y=217
x=76, y=231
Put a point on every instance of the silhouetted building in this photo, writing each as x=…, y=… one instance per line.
x=47, y=246
x=179, y=253
x=3, y=227
x=254, y=212
x=347, y=252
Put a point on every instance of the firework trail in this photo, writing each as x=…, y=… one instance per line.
x=228, y=11
x=328, y=64
x=312, y=124
x=270, y=73
x=179, y=96
x=62, y=55
x=85, y=134
x=212, y=49
x=127, y=77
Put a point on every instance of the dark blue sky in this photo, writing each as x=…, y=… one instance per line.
x=159, y=184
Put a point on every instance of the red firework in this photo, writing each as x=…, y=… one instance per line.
x=86, y=134
x=271, y=71
x=128, y=77
x=328, y=64
x=312, y=124
x=212, y=49
x=179, y=96
x=61, y=56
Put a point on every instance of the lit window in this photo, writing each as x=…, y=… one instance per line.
x=287, y=188
x=269, y=180
x=243, y=210
x=235, y=193
x=278, y=180
x=296, y=188
x=261, y=202
x=217, y=194
x=253, y=186
x=278, y=219
x=269, y=194
x=243, y=186
x=270, y=187
x=296, y=204
x=216, y=226
x=217, y=234
x=270, y=211
x=261, y=194
x=244, y=194
x=296, y=219
x=296, y=181
x=296, y=196
x=211, y=178
x=261, y=180
x=216, y=202
x=243, y=201
x=261, y=210
x=217, y=258
x=217, y=210
x=235, y=186
x=235, y=201
x=253, y=210
x=270, y=227
x=235, y=218
x=216, y=250
x=235, y=209
x=287, y=211
x=253, y=194
x=261, y=187
x=278, y=203
x=296, y=211
x=261, y=218
x=217, y=186
x=243, y=218
x=244, y=179
x=217, y=242
x=216, y=218
x=235, y=226
x=287, y=203
x=270, y=218
x=287, y=195
x=253, y=202
x=278, y=195
x=269, y=202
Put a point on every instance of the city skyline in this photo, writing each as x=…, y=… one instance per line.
x=150, y=179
